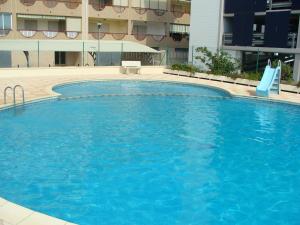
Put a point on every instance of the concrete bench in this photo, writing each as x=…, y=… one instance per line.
x=127, y=65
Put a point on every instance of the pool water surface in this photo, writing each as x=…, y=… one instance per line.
x=151, y=153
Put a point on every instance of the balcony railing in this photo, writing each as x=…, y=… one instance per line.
x=179, y=10
x=101, y=35
x=71, y=4
x=155, y=38
x=3, y=1
x=142, y=36
x=258, y=39
x=279, y=5
x=48, y=33
x=100, y=5
x=179, y=36
x=158, y=12
x=4, y=32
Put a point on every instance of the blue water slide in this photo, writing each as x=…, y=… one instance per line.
x=270, y=82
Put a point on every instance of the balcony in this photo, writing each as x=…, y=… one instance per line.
x=3, y=1
x=99, y=5
x=155, y=12
x=145, y=12
x=5, y=6
x=279, y=4
x=49, y=7
x=107, y=35
x=180, y=10
x=258, y=40
x=152, y=40
x=100, y=9
x=150, y=14
x=71, y=4
x=5, y=33
x=48, y=34
x=154, y=37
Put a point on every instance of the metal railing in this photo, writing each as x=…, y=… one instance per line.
x=4, y=32
x=5, y=93
x=279, y=5
x=114, y=35
x=49, y=34
x=71, y=4
x=14, y=93
x=258, y=39
x=177, y=9
x=3, y=1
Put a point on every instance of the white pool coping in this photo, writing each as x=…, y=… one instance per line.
x=13, y=214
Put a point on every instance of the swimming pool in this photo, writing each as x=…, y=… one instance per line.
x=132, y=152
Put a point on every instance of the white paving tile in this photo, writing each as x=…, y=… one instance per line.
x=2, y=201
x=3, y=222
x=41, y=219
x=13, y=213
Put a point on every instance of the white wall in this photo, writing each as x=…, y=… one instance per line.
x=205, y=29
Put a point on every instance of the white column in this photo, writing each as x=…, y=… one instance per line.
x=296, y=73
x=206, y=25
x=129, y=27
x=85, y=19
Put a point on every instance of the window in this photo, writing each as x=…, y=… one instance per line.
x=179, y=28
x=53, y=26
x=60, y=58
x=139, y=29
x=120, y=2
x=181, y=53
x=30, y=25
x=5, y=21
x=5, y=24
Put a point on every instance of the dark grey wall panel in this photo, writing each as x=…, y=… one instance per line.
x=244, y=6
x=260, y=5
x=5, y=59
x=295, y=4
x=234, y=6
x=229, y=6
x=243, y=28
x=277, y=27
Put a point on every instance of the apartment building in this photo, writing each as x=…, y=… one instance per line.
x=251, y=30
x=159, y=24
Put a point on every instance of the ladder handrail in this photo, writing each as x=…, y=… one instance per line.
x=5, y=92
x=14, y=93
x=23, y=93
x=269, y=63
x=279, y=75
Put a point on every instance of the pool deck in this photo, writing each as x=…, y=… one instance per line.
x=38, y=84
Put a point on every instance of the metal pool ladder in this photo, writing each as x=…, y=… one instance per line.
x=14, y=93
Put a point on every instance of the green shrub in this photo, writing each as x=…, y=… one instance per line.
x=234, y=76
x=185, y=67
x=298, y=85
x=286, y=71
x=176, y=67
x=253, y=75
x=219, y=62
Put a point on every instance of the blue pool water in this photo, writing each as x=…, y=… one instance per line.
x=146, y=153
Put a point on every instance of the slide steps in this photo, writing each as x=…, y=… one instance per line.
x=270, y=82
